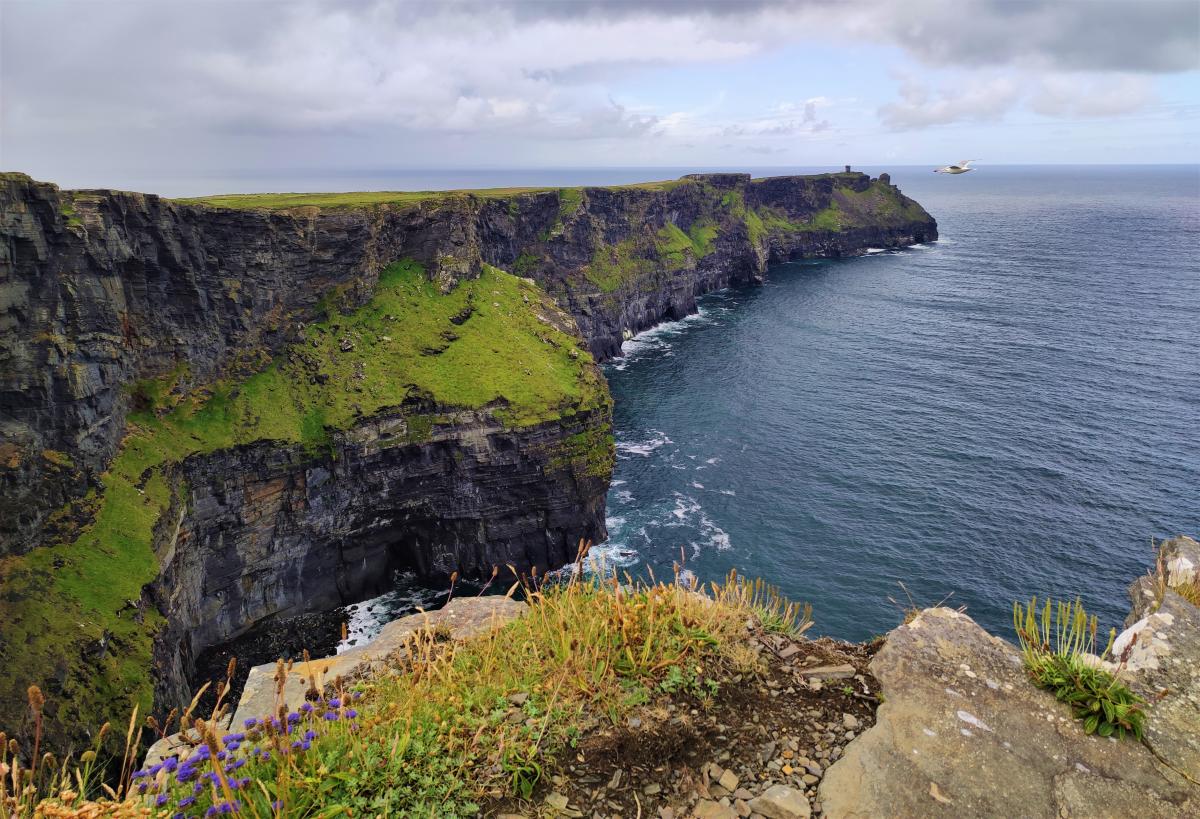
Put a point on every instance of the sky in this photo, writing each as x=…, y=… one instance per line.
x=123, y=92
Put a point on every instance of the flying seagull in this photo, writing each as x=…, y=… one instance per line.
x=961, y=167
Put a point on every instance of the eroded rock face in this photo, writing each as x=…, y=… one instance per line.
x=962, y=732
x=103, y=288
x=273, y=531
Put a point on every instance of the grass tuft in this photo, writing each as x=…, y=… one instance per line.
x=1068, y=667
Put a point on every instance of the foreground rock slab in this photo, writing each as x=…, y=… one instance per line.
x=461, y=618
x=962, y=732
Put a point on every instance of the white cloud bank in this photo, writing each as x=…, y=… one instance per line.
x=215, y=83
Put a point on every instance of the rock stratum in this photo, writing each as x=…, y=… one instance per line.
x=217, y=411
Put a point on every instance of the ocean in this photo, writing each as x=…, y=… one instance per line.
x=1012, y=410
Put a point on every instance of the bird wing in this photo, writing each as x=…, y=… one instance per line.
x=964, y=163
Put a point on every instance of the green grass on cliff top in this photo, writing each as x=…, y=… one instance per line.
x=284, y=201
x=58, y=599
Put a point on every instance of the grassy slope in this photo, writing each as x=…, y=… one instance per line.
x=449, y=726
x=56, y=598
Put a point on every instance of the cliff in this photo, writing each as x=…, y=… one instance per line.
x=217, y=411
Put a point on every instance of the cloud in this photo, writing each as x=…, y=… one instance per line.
x=1083, y=96
x=221, y=83
x=1110, y=35
x=990, y=98
x=918, y=107
x=1104, y=35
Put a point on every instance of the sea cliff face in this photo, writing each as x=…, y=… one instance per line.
x=214, y=412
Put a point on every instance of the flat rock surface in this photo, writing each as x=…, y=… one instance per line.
x=962, y=732
x=463, y=617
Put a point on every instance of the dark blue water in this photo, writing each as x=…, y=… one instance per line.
x=1013, y=410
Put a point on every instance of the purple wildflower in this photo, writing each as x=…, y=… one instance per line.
x=331, y=716
x=187, y=801
x=310, y=734
x=161, y=800
x=250, y=722
x=335, y=703
x=293, y=717
x=307, y=707
x=351, y=713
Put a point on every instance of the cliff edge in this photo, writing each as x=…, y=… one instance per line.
x=214, y=412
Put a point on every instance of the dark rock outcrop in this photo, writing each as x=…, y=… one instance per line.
x=274, y=532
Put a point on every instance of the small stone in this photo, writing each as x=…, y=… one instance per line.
x=782, y=802
x=708, y=809
x=743, y=794
x=743, y=808
x=518, y=699
x=557, y=801
x=728, y=781
x=652, y=789
x=830, y=672
x=850, y=722
x=634, y=722
x=809, y=779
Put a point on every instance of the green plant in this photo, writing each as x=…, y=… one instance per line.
x=1057, y=645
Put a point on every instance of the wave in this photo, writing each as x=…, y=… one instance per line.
x=657, y=338
x=369, y=617
x=688, y=512
x=645, y=447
